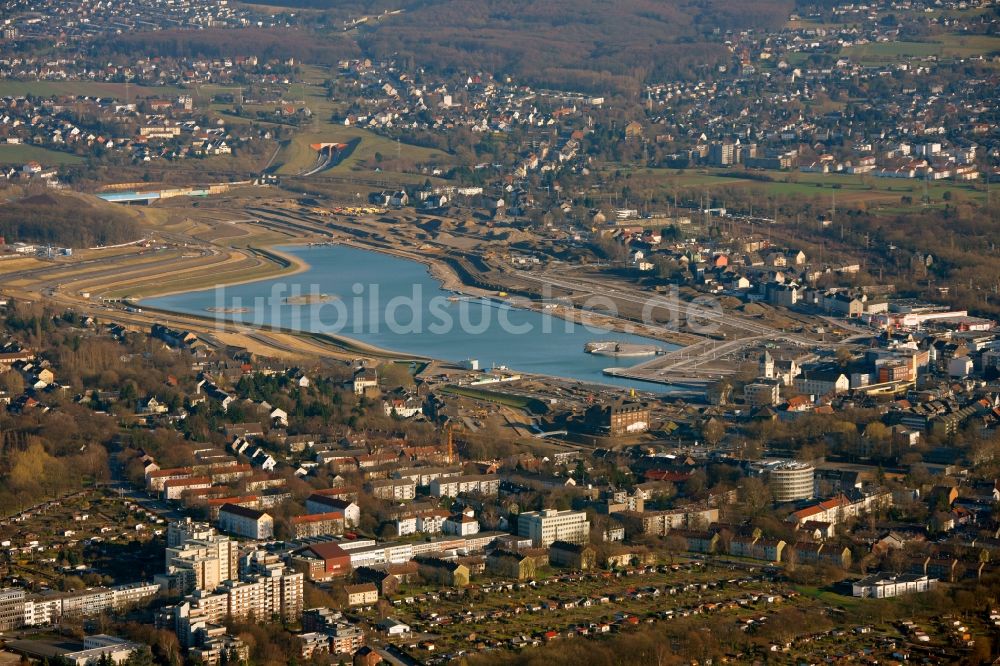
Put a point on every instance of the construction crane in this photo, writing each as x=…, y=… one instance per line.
x=451, y=443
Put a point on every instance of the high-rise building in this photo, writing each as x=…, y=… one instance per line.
x=197, y=558
x=722, y=154
x=181, y=531
x=277, y=595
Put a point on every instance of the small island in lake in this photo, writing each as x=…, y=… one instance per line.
x=227, y=310
x=613, y=348
x=310, y=299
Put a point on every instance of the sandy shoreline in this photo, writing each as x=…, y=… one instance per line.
x=295, y=266
x=437, y=268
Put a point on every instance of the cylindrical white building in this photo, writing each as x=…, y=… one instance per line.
x=791, y=481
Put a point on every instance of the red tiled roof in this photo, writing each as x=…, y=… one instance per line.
x=317, y=517
x=820, y=507
x=327, y=550
x=332, y=492
x=220, y=501
x=190, y=481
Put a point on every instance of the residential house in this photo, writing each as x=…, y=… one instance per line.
x=319, y=524
x=576, y=556
x=461, y=524
x=394, y=490
x=363, y=594
x=510, y=564
x=365, y=381
x=320, y=504
x=884, y=585
x=442, y=572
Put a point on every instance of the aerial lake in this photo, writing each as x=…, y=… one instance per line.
x=395, y=304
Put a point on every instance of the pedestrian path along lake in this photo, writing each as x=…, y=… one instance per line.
x=395, y=304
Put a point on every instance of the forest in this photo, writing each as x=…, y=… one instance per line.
x=587, y=45
x=606, y=48
x=55, y=219
x=272, y=43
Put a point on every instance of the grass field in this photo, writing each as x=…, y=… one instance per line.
x=829, y=598
x=21, y=153
x=850, y=189
x=944, y=46
x=226, y=111
x=203, y=92
x=297, y=155
x=195, y=275
x=18, y=264
x=11, y=88
x=506, y=399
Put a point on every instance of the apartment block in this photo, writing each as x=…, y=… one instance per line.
x=544, y=527
x=246, y=522
x=484, y=484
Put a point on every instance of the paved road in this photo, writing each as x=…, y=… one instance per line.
x=684, y=363
x=702, y=315
x=155, y=506
x=274, y=156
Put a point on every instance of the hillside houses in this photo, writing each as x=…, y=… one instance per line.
x=160, y=133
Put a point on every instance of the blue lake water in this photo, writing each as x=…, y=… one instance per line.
x=395, y=304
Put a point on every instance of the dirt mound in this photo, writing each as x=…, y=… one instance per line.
x=67, y=220
x=512, y=236
x=45, y=199
x=434, y=224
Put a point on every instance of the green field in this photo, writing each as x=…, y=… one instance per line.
x=201, y=93
x=297, y=155
x=11, y=88
x=944, y=46
x=847, y=189
x=226, y=111
x=508, y=400
x=21, y=153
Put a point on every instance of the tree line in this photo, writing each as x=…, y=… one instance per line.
x=66, y=221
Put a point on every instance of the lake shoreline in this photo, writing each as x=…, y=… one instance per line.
x=292, y=266
x=436, y=268
x=445, y=280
